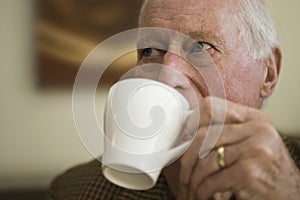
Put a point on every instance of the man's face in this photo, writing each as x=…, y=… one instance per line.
x=211, y=24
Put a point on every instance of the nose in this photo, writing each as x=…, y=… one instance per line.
x=173, y=71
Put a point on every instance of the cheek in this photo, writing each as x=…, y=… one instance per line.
x=242, y=82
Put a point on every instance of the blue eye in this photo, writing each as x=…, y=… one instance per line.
x=150, y=52
x=197, y=47
x=147, y=52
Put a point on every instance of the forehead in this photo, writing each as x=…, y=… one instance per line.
x=190, y=16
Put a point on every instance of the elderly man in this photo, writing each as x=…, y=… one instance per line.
x=258, y=164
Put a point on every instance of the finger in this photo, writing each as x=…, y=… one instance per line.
x=180, y=191
x=223, y=135
x=236, y=138
x=209, y=165
x=254, y=138
x=215, y=110
x=190, y=128
x=235, y=178
x=218, y=111
x=231, y=134
x=239, y=144
x=190, y=158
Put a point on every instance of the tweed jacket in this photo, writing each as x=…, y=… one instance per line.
x=86, y=182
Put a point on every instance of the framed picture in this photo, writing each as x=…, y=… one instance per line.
x=66, y=31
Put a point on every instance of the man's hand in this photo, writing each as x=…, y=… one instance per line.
x=258, y=165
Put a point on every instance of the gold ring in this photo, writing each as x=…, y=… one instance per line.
x=221, y=157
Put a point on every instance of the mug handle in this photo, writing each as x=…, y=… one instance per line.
x=176, y=151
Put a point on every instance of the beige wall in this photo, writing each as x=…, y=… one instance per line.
x=37, y=134
x=284, y=106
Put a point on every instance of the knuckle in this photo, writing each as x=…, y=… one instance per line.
x=265, y=141
x=251, y=172
x=269, y=129
x=265, y=128
x=201, y=134
x=263, y=151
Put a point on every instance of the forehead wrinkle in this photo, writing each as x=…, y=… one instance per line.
x=170, y=10
x=201, y=30
x=187, y=7
x=191, y=18
x=151, y=14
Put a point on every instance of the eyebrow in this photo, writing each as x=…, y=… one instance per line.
x=208, y=37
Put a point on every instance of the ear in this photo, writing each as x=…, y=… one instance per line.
x=271, y=73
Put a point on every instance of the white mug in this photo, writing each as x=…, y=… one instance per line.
x=142, y=123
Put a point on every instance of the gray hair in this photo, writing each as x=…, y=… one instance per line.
x=255, y=27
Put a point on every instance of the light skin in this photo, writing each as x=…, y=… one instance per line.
x=258, y=165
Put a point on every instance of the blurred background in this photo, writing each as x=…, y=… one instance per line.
x=42, y=46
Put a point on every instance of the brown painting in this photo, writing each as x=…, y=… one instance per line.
x=67, y=30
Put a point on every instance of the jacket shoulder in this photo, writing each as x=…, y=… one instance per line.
x=293, y=145
x=86, y=182
x=75, y=181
